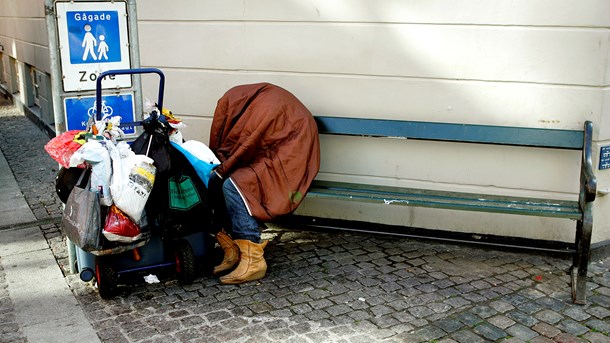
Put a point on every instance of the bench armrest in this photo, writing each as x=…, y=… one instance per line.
x=588, y=181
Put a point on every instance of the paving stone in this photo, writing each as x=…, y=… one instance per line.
x=301, y=328
x=430, y=333
x=541, y=339
x=317, y=315
x=548, y=316
x=604, y=290
x=469, y=319
x=513, y=340
x=598, y=299
x=501, y=321
x=319, y=304
x=596, y=337
x=546, y=330
x=522, y=318
x=567, y=338
x=571, y=327
x=530, y=307
x=443, y=283
x=447, y=340
x=501, y=306
x=411, y=337
x=419, y=322
x=599, y=312
x=522, y=332
x=490, y=332
x=598, y=325
x=457, y=302
x=337, y=310
x=483, y=311
x=551, y=303
x=515, y=299
x=449, y=325
x=576, y=313
x=532, y=293
x=385, y=322
x=467, y=336
x=420, y=311
x=381, y=310
x=474, y=297
x=464, y=288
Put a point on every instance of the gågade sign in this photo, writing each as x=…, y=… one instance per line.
x=93, y=38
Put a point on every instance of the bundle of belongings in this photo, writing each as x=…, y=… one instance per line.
x=266, y=142
x=116, y=193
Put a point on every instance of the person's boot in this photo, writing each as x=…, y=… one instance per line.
x=252, y=265
x=231, y=253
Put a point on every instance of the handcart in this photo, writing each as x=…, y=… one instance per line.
x=119, y=263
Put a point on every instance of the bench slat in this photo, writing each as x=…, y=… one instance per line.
x=519, y=136
x=447, y=200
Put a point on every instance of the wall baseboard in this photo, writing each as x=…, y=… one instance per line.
x=599, y=250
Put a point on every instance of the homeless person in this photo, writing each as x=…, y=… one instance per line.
x=267, y=143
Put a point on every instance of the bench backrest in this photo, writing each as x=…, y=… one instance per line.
x=504, y=135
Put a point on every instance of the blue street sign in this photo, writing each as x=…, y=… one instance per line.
x=94, y=36
x=80, y=109
x=604, y=158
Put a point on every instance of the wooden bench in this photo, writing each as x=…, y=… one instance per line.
x=580, y=211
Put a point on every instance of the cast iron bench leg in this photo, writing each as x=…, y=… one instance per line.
x=581, y=259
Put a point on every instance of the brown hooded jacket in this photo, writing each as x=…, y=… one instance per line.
x=267, y=143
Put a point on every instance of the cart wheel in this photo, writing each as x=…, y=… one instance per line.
x=107, y=279
x=185, y=262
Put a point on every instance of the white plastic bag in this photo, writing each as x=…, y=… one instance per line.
x=109, y=127
x=176, y=136
x=132, y=181
x=201, y=151
x=95, y=153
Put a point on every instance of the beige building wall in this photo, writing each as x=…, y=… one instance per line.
x=25, y=56
x=540, y=63
x=516, y=63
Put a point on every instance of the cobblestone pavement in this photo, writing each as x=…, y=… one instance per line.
x=328, y=286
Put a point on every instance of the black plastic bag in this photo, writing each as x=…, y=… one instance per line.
x=154, y=142
x=178, y=204
x=66, y=180
x=189, y=210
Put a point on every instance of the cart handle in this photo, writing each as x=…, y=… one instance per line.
x=98, y=87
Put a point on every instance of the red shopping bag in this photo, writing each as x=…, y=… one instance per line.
x=120, y=228
x=62, y=147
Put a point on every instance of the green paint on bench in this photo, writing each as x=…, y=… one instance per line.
x=523, y=136
x=448, y=200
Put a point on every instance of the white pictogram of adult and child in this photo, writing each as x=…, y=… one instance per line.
x=90, y=42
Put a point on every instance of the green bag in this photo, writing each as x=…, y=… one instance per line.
x=183, y=194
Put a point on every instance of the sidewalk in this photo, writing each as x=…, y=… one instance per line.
x=36, y=303
x=320, y=286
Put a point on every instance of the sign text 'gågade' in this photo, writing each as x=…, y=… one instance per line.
x=91, y=17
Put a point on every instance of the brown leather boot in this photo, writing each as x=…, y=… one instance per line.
x=231, y=253
x=252, y=265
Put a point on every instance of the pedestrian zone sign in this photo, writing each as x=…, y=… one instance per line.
x=93, y=38
x=79, y=109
